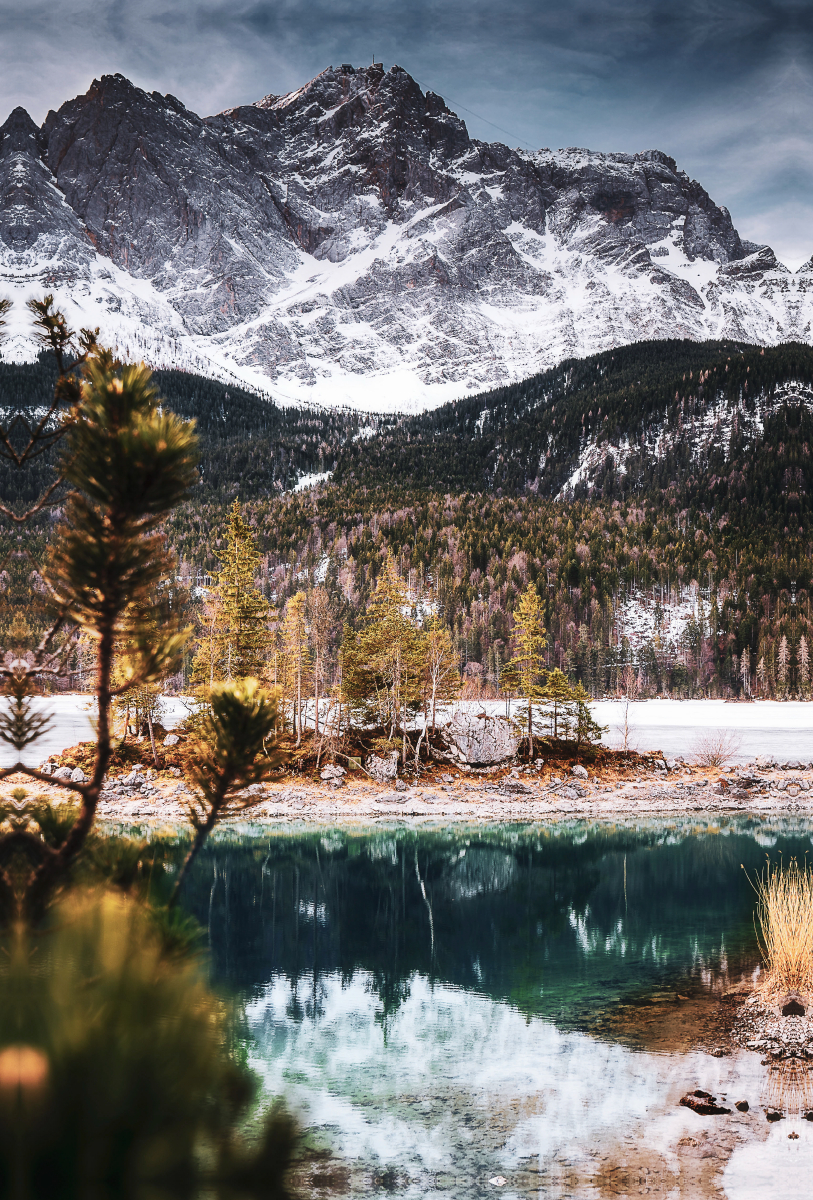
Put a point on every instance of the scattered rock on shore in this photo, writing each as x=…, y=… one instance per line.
x=704, y=1104
x=383, y=768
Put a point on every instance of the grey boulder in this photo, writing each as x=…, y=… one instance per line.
x=332, y=771
x=383, y=768
x=481, y=740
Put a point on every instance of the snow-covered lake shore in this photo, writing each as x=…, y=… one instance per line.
x=783, y=729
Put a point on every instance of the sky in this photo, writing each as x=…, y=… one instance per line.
x=724, y=86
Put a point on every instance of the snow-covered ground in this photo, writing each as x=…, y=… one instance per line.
x=784, y=729
x=308, y=481
x=673, y=726
x=641, y=619
x=71, y=722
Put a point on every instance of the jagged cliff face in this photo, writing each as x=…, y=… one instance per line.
x=349, y=243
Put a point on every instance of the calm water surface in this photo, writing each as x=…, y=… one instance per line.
x=493, y=1010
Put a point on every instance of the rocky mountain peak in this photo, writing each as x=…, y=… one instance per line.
x=18, y=133
x=349, y=242
x=31, y=208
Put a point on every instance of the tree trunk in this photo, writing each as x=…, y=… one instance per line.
x=298, y=703
x=316, y=698
x=418, y=750
x=57, y=864
x=152, y=738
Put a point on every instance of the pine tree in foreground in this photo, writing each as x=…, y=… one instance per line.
x=117, y=1071
x=127, y=463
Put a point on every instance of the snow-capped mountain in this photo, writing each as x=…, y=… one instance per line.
x=349, y=243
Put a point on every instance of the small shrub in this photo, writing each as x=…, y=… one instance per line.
x=716, y=748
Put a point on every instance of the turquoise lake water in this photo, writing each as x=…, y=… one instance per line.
x=454, y=1011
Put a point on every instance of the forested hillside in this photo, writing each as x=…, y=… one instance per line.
x=243, y=436
x=658, y=497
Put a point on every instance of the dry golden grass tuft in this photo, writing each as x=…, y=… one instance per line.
x=785, y=919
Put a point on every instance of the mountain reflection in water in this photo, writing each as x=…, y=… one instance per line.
x=441, y=1007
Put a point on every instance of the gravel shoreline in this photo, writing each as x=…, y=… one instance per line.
x=519, y=795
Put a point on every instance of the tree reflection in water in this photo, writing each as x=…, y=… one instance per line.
x=553, y=919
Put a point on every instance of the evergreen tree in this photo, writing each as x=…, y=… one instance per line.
x=385, y=663
x=804, y=668
x=127, y=464
x=525, y=670
x=295, y=659
x=321, y=627
x=558, y=695
x=234, y=639
x=782, y=663
x=585, y=728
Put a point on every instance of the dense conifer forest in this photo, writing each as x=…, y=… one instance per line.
x=658, y=496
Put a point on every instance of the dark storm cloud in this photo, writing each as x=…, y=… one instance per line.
x=725, y=87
